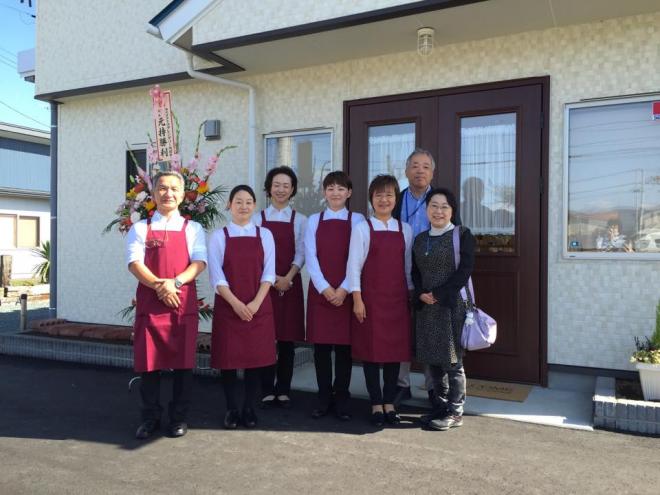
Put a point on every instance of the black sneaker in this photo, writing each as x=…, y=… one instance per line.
x=445, y=423
x=438, y=412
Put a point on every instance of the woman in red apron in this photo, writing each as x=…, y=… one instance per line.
x=242, y=270
x=327, y=238
x=165, y=253
x=379, y=266
x=287, y=227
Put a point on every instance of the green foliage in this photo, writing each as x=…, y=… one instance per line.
x=42, y=270
x=648, y=349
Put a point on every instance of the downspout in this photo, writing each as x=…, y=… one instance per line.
x=52, y=310
x=252, y=126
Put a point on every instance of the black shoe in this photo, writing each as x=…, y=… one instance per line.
x=438, y=412
x=447, y=422
x=321, y=411
x=284, y=401
x=377, y=418
x=178, y=429
x=392, y=417
x=267, y=402
x=147, y=429
x=402, y=393
x=343, y=415
x=231, y=419
x=249, y=418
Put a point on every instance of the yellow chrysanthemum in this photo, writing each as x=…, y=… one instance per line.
x=150, y=205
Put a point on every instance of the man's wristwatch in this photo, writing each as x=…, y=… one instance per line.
x=177, y=283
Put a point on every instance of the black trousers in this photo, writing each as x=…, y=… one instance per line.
x=283, y=370
x=229, y=380
x=329, y=392
x=372, y=378
x=181, y=392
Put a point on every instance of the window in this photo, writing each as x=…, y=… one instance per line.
x=7, y=231
x=18, y=231
x=309, y=154
x=612, y=180
x=131, y=170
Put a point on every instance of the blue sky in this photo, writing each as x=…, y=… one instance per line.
x=17, y=33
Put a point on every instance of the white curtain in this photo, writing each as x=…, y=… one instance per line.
x=387, y=155
x=488, y=178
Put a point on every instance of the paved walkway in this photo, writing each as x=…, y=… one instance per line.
x=10, y=313
x=67, y=429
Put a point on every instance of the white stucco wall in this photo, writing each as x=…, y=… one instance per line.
x=595, y=307
x=23, y=261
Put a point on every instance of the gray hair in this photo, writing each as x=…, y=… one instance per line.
x=420, y=151
x=169, y=173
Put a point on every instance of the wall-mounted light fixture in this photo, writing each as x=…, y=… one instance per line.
x=425, y=41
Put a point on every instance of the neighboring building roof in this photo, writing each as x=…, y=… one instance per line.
x=24, y=161
x=22, y=133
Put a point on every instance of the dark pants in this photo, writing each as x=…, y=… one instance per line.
x=150, y=394
x=329, y=393
x=229, y=380
x=283, y=369
x=449, y=384
x=372, y=377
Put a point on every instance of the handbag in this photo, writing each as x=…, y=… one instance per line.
x=479, y=329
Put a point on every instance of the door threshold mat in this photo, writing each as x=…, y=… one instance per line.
x=514, y=392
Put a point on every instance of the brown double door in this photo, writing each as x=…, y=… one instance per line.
x=489, y=143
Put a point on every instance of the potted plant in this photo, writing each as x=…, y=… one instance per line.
x=647, y=360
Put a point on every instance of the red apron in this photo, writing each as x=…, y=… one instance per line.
x=165, y=337
x=288, y=308
x=238, y=344
x=384, y=336
x=328, y=324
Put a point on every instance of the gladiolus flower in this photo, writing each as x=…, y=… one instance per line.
x=139, y=187
x=176, y=162
x=202, y=187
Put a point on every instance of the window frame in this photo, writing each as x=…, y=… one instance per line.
x=17, y=217
x=14, y=216
x=570, y=255
x=316, y=130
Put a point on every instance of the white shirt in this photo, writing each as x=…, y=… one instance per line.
x=360, y=239
x=313, y=267
x=284, y=215
x=195, y=237
x=217, y=244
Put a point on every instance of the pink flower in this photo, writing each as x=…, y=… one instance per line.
x=152, y=155
x=212, y=165
x=176, y=162
x=201, y=208
x=192, y=165
x=155, y=93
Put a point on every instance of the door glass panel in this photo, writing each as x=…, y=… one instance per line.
x=389, y=146
x=488, y=180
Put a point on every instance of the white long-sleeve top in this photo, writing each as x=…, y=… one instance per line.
x=217, y=245
x=299, y=223
x=359, y=248
x=313, y=267
x=137, y=235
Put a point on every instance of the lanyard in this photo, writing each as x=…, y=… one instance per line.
x=419, y=205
